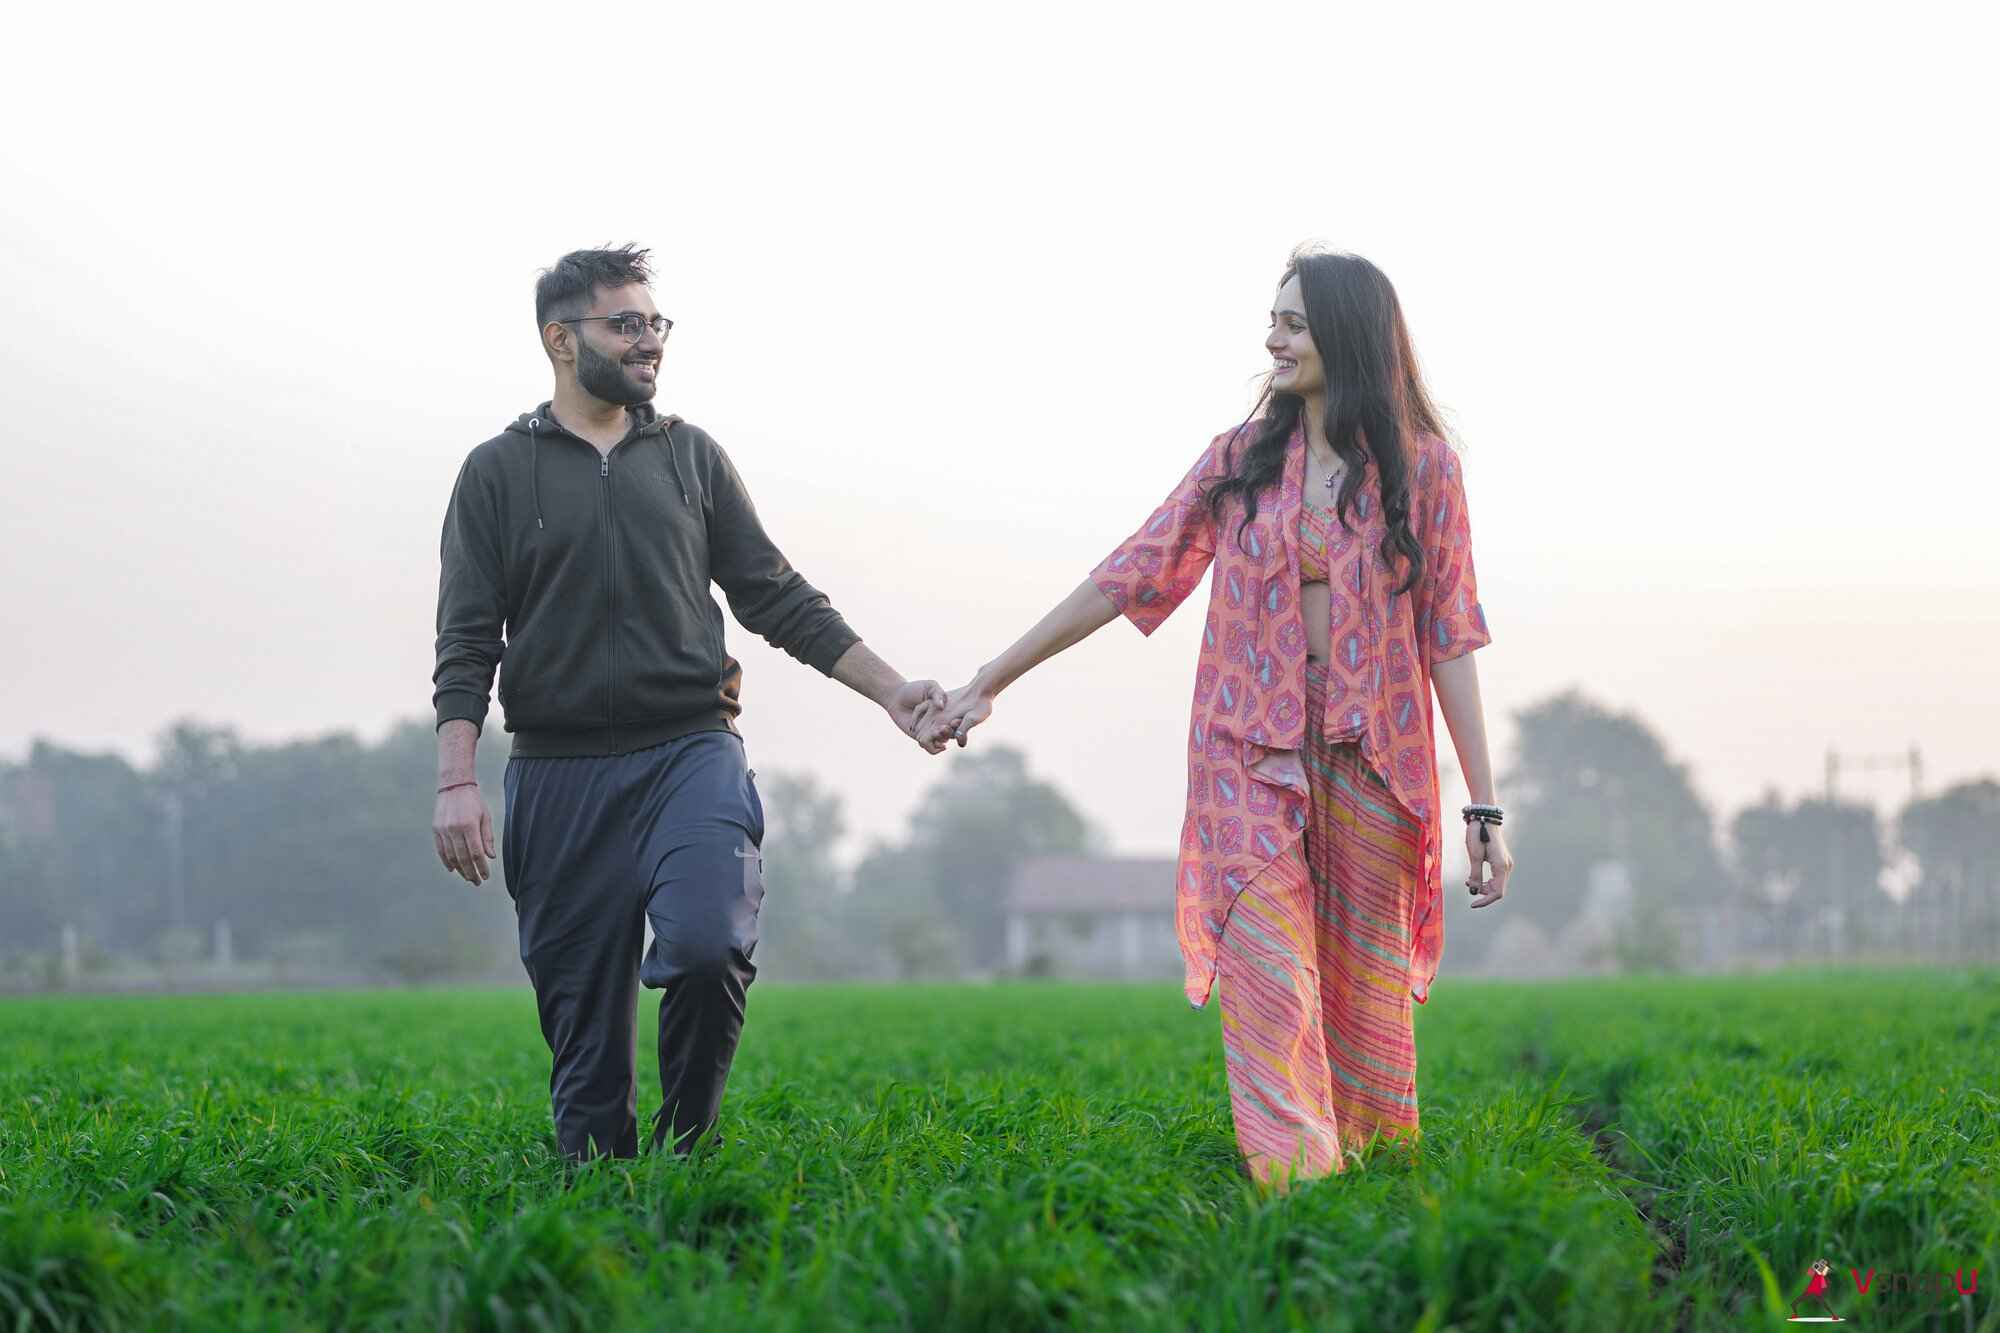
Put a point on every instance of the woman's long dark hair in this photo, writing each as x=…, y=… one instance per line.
x=1375, y=400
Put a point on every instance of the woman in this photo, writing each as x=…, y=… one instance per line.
x=1312, y=842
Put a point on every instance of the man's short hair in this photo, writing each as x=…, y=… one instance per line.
x=565, y=289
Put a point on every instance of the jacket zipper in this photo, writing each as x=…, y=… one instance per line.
x=611, y=594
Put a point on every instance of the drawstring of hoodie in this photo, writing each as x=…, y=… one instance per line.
x=535, y=465
x=675, y=461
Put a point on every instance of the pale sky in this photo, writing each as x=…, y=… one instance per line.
x=1707, y=294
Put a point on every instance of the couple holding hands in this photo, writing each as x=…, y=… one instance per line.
x=579, y=544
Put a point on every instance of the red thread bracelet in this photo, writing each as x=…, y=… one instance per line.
x=473, y=783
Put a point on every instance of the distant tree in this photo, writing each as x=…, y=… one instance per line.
x=318, y=852
x=898, y=918
x=1796, y=861
x=1768, y=870
x=325, y=839
x=204, y=833
x=1590, y=785
x=800, y=936
x=195, y=756
x=93, y=848
x=1951, y=835
x=329, y=838
x=28, y=907
x=937, y=902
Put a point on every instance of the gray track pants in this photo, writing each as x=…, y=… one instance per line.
x=592, y=848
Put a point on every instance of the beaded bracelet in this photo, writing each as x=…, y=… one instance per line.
x=1485, y=815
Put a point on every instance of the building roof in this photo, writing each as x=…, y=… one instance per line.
x=1093, y=884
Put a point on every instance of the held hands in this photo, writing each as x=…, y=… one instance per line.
x=1075, y=618
x=1482, y=854
x=912, y=708
x=965, y=708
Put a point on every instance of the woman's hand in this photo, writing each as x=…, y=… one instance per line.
x=964, y=708
x=1070, y=621
x=1479, y=855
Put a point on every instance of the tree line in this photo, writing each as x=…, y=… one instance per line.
x=317, y=853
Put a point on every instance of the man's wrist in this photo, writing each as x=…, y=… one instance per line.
x=868, y=675
x=886, y=687
x=458, y=747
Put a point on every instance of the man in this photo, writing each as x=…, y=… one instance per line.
x=588, y=532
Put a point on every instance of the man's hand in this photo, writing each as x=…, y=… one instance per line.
x=913, y=707
x=964, y=708
x=909, y=703
x=463, y=831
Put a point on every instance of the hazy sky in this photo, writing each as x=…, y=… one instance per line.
x=1708, y=295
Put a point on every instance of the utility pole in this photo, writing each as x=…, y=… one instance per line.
x=1911, y=759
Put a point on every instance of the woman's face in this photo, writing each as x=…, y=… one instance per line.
x=1295, y=361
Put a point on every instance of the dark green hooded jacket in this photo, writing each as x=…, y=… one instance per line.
x=584, y=578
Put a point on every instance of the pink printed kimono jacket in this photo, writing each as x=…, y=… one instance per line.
x=1247, y=793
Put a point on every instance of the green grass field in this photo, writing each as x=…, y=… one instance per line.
x=1600, y=1155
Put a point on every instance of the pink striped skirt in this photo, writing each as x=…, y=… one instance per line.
x=1312, y=967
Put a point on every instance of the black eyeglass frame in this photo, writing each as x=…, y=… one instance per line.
x=659, y=324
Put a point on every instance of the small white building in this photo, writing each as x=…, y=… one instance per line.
x=1093, y=917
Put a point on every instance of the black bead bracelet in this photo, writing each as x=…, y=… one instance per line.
x=1485, y=815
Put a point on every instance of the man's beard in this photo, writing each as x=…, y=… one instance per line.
x=605, y=379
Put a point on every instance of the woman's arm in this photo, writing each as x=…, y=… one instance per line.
x=1069, y=622
x=1457, y=685
x=1456, y=681
x=1148, y=574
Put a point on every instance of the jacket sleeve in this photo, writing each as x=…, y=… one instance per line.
x=769, y=597
x=472, y=602
x=1152, y=571
x=1450, y=622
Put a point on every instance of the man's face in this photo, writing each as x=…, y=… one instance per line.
x=610, y=367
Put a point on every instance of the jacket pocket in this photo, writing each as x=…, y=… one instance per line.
x=552, y=675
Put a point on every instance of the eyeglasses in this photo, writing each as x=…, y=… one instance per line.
x=630, y=324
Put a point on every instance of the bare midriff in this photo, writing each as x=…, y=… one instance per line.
x=1315, y=606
